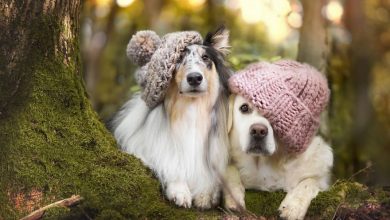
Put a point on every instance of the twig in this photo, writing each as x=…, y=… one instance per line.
x=337, y=209
x=360, y=171
x=37, y=214
x=226, y=211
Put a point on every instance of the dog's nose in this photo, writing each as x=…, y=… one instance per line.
x=194, y=79
x=258, y=131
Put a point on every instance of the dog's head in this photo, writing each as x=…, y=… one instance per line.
x=201, y=66
x=248, y=129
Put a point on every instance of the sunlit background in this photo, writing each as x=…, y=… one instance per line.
x=260, y=30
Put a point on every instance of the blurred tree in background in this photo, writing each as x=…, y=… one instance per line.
x=357, y=41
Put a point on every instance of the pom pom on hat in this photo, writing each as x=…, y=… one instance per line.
x=142, y=46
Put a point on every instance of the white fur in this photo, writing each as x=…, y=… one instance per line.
x=302, y=176
x=176, y=154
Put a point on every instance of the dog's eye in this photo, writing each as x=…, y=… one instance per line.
x=205, y=57
x=244, y=108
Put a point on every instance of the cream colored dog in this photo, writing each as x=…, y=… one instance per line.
x=259, y=161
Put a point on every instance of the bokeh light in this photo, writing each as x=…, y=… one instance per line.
x=334, y=11
x=196, y=3
x=251, y=10
x=124, y=3
x=281, y=7
x=294, y=19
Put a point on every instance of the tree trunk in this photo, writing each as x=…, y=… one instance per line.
x=313, y=45
x=52, y=144
x=362, y=54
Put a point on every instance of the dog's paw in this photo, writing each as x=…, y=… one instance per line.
x=180, y=194
x=237, y=203
x=203, y=201
x=293, y=209
x=233, y=205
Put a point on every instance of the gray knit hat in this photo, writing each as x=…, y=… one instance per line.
x=157, y=59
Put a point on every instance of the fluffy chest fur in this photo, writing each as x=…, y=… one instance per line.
x=258, y=172
x=189, y=118
x=192, y=126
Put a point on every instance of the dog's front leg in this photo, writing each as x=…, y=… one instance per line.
x=179, y=193
x=233, y=190
x=297, y=201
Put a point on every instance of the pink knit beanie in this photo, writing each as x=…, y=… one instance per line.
x=289, y=94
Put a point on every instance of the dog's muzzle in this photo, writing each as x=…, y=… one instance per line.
x=258, y=132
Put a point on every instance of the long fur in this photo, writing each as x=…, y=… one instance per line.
x=184, y=139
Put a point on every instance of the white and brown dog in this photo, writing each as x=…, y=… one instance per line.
x=184, y=139
x=269, y=148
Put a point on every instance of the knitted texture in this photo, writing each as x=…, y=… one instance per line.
x=158, y=59
x=289, y=94
x=142, y=46
x=163, y=63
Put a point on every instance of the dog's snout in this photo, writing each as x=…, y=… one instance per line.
x=258, y=131
x=194, y=79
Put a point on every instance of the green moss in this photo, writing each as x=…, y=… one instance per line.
x=263, y=203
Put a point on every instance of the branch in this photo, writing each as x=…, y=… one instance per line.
x=37, y=214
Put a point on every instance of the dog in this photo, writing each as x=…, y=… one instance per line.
x=184, y=139
x=259, y=161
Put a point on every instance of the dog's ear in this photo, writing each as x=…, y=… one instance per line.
x=219, y=40
x=230, y=115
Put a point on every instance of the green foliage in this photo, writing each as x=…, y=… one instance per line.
x=240, y=61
